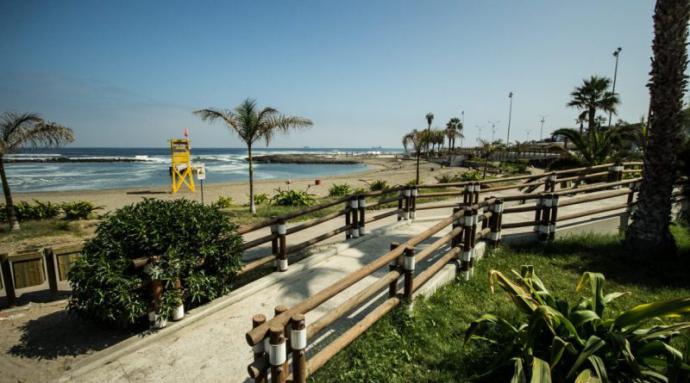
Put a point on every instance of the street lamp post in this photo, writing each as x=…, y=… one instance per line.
x=616, y=54
x=510, y=115
x=462, y=114
x=541, y=128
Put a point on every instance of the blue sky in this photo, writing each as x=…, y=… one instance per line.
x=129, y=73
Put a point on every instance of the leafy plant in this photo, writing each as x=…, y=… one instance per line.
x=78, y=209
x=291, y=197
x=378, y=185
x=472, y=175
x=339, y=190
x=195, y=243
x=223, y=202
x=411, y=182
x=580, y=343
x=261, y=198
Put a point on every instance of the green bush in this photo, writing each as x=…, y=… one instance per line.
x=339, y=190
x=78, y=209
x=564, y=342
x=378, y=185
x=261, y=199
x=196, y=243
x=38, y=210
x=448, y=178
x=472, y=175
x=292, y=198
x=223, y=202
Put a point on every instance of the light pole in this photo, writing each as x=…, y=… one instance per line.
x=493, y=130
x=510, y=115
x=541, y=129
x=479, y=138
x=462, y=114
x=616, y=54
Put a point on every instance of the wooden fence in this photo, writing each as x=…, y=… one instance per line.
x=47, y=268
x=279, y=345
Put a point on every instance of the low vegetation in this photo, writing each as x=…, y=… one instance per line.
x=430, y=345
x=196, y=244
x=292, y=197
x=38, y=210
x=339, y=190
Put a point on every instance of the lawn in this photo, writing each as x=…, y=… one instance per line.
x=428, y=347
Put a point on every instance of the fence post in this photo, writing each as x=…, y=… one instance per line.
x=554, y=216
x=408, y=271
x=537, y=213
x=393, y=286
x=545, y=220
x=625, y=219
x=354, y=210
x=551, y=181
x=51, y=266
x=408, y=202
x=282, y=260
x=466, y=194
x=298, y=343
x=274, y=242
x=362, y=208
x=456, y=223
x=401, y=197
x=473, y=237
x=277, y=355
x=476, y=189
x=415, y=193
x=8, y=281
x=496, y=216
x=615, y=173
x=259, y=352
x=466, y=245
x=486, y=222
x=348, y=220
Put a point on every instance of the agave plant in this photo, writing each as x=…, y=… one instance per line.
x=581, y=343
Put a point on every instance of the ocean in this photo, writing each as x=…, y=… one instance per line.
x=108, y=168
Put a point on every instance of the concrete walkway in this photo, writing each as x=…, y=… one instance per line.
x=209, y=346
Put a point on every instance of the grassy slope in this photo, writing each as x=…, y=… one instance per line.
x=429, y=346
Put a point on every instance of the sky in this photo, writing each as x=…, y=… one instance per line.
x=130, y=73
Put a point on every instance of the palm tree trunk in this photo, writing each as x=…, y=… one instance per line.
x=252, y=206
x=418, y=154
x=9, y=205
x=592, y=115
x=649, y=233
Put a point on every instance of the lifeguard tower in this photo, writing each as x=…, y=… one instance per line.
x=181, y=168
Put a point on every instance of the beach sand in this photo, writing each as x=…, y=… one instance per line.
x=386, y=168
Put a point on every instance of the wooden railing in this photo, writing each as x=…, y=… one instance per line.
x=356, y=211
x=472, y=220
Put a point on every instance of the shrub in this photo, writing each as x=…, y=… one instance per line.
x=472, y=175
x=223, y=202
x=196, y=243
x=292, y=198
x=78, y=209
x=339, y=190
x=378, y=185
x=411, y=182
x=261, y=198
x=562, y=342
x=448, y=178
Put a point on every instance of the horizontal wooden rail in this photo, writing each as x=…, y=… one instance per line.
x=315, y=222
x=590, y=198
x=301, y=246
x=261, y=240
x=381, y=216
x=585, y=213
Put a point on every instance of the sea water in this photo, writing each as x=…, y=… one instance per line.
x=108, y=168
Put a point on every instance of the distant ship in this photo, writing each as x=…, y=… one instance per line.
x=377, y=147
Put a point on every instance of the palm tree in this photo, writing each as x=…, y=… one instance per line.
x=251, y=125
x=488, y=148
x=595, y=146
x=21, y=130
x=429, y=119
x=418, y=140
x=591, y=96
x=649, y=232
x=453, y=131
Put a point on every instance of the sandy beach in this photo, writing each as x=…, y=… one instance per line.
x=392, y=170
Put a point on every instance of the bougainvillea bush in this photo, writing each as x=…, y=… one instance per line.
x=194, y=243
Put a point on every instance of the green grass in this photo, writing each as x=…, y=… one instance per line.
x=428, y=347
x=37, y=229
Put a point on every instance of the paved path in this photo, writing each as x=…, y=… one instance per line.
x=209, y=345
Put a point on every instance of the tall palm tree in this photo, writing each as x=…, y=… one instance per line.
x=453, y=131
x=21, y=130
x=595, y=146
x=594, y=95
x=252, y=124
x=418, y=140
x=429, y=119
x=649, y=230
